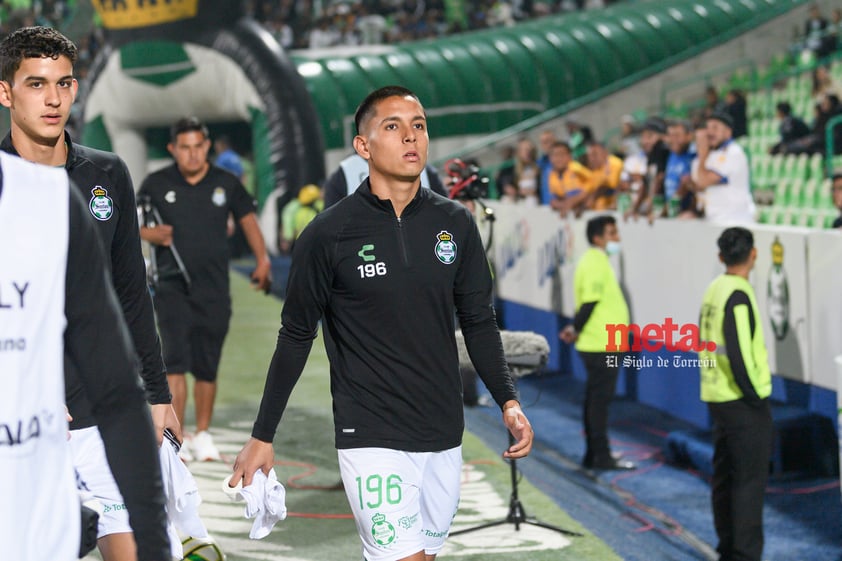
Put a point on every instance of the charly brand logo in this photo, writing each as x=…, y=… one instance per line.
x=445, y=247
x=101, y=205
x=777, y=292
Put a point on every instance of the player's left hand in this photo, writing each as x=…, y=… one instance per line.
x=261, y=277
x=164, y=417
x=519, y=426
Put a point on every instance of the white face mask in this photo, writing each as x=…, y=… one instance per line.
x=612, y=247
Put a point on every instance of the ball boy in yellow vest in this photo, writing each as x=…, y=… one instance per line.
x=736, y=383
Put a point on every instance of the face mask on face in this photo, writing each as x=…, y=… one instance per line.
x=612, y=247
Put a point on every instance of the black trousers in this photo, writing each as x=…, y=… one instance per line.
x=742, y=448
x=603, y=369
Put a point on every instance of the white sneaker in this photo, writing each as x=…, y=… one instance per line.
x=184, y=453
x=204, y=449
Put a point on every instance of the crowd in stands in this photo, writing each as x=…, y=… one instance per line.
x=24, y=13
x=297, y=25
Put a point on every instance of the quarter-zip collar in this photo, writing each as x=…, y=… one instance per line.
x=385, y=205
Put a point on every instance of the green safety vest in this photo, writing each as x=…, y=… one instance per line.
x=595, y=281
x=717, y=378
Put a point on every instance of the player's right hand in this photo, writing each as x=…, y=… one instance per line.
x=255, y=455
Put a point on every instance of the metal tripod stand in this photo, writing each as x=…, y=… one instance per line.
x=517, y=515
x=151, y=218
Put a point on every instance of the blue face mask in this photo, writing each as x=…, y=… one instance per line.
x=612, y=247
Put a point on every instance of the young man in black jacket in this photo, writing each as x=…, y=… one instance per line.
x=38, y=88
x=60, y=313
x=384, y=269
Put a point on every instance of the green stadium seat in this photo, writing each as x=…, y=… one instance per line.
x=809, y=194
x=781, y=188
x=793, y=196
x=816, y=166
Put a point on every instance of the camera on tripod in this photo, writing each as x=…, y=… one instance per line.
x=468, y=183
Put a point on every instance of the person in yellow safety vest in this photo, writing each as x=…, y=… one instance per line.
x=599, y=302
x=298, y=213
x=736, y=384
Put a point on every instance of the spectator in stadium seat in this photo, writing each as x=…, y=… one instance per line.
x=657, y=154
x=599, y=302
x=814, y=143
x=546, y=141
x=824, y=84
x=816, y=33
x=606, y=170
x=578, y=136
x=520, y=182
x=721, y=173
x=791, y=128
x=629, y=142
x=712, y=102
x=569, y=181
x=387, y=310
x=682, y=153
x=736, y=384
x=735, y=105
x=837, y=197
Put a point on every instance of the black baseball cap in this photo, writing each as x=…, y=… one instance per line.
x=722, y=117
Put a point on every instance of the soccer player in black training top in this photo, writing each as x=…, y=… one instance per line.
x=38, y=88
x=384, y=269
x=60, y=310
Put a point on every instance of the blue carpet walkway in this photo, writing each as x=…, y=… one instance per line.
x=658, y=512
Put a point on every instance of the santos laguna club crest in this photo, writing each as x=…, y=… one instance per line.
x=101, y=205
x=445, y=248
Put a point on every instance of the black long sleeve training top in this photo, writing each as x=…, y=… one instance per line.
x=103, y=360
x=386, y=288
x=104, y=182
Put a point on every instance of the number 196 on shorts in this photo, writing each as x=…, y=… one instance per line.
x=376, y=490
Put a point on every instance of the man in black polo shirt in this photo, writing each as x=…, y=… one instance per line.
x=192, y=298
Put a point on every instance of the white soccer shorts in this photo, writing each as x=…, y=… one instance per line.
x=403, y=502
x=91, y=464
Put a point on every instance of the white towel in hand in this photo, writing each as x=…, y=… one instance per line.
x=183, y=499
x=265, y=502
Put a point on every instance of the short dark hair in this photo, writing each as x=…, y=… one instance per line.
x=735, y=245
x=683, y=123
x=33, y=42
x=596, y=226
x=188, y=124
x=368, y=106
x=561, y=144
x=784, y=108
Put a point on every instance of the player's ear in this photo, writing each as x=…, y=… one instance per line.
x=5, y=93
x=361, y=146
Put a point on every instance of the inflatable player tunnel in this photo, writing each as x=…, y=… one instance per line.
x=166, y=59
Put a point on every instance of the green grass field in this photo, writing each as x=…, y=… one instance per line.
x=319, y=527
